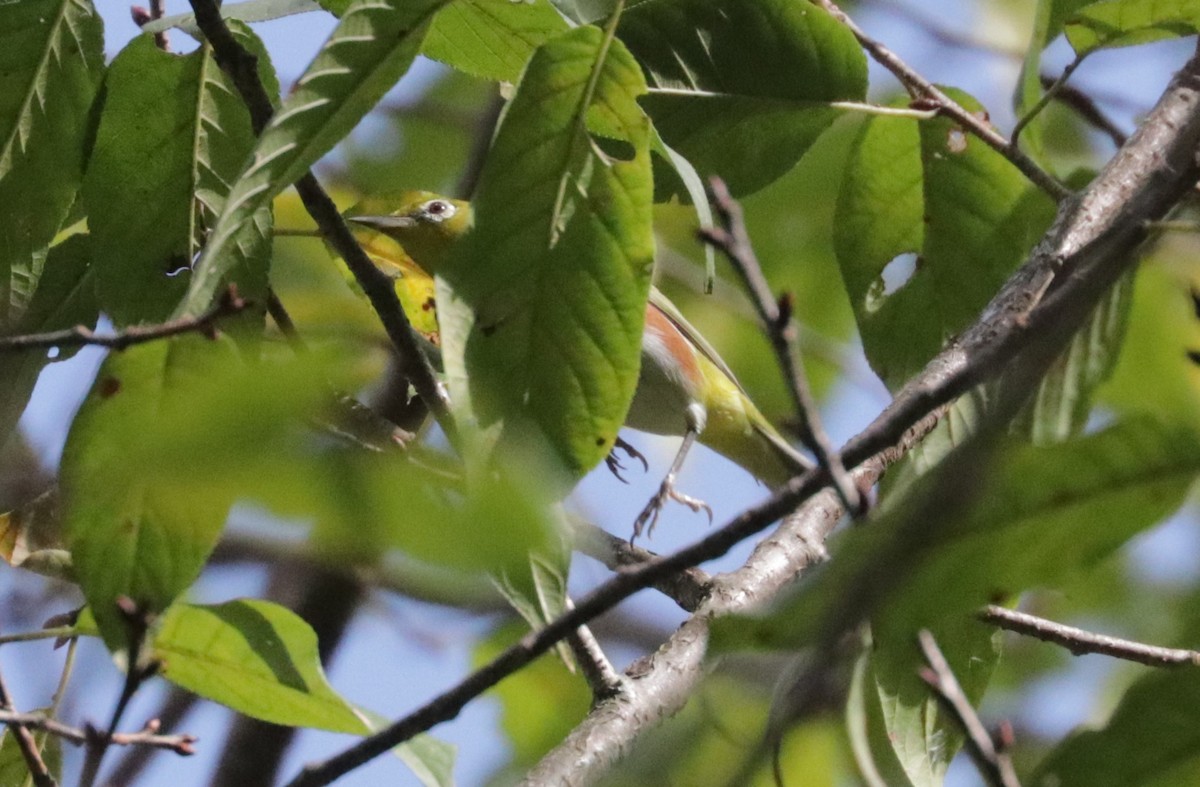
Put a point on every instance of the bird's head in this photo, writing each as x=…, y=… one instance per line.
x=424, y=223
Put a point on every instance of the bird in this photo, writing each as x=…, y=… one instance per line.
x=684, y=388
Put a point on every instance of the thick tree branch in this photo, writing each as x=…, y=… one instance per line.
x=242, y=68
x=1092, y=242
x=1081, y=642
x=925, y=92
x=989, y=756
x=226, y=305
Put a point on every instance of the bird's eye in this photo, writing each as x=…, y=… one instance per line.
x=438, y=209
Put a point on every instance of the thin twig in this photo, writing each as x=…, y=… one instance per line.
x=229, y=303
x=283, y=321
x=604, y=681
x=1087, y=108
x=137, y=621
x=242, y=68
x=1051, y=93
x=25, y=742
x=992, y=760
x=776, y=316
x=147, y=736
x=1081, y=642
x=923, y=91
x=688, y=588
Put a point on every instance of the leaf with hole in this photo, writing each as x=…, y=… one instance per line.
x=929, y=224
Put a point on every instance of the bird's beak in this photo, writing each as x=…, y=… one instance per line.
x=384, y=222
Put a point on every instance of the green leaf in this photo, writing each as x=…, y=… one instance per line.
x=53, y=61
x=1063, y=401
x=740, y=89
x=540, y=704
x=954, y=210
x=371, y=48
x=1037, y=516
x=249, y=11
x=1162, y=331
x=431, y=760
x=255, y=657
x=542, y=304
x=128, y=536
x=244, y=431
x=1048, y=23
x=1151, y=738
x=65, y=297
x=492, y=39
x=911, y=738
x=1117, y=23
x=172, y=136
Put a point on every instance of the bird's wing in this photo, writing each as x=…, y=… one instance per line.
x=672, y=313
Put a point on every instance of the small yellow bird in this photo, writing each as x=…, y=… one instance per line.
x=684, y=388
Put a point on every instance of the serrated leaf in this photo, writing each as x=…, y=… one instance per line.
x=492, y=39
x=956, y=211
x=1149, y=737
x=65, y=297
x=542, y=304
x=1117, y=23
x=740, y=89
x=173, y=135
x=255, y=657
x=370, y=49
x=53, y=61
x=129, y=537
x=1036, y=517
x=248, y=11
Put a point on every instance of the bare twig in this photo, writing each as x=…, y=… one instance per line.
x=227, y=304
x=1081, y=642
x=242, y=68
x=604, y=681
x=776, y=316
x=991, y=759
x=137, y=621
x=25, y=742
x=925, y=92
x=1051, y=93
x=147, y=736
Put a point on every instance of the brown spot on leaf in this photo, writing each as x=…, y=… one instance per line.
x=600, y=441
x=429, y=304
x=109, y=386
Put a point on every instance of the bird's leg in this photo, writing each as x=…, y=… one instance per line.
x=614, y=464
x=649, y=516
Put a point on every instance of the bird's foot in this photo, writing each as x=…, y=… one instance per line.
x=649, y=516
x=614, y=464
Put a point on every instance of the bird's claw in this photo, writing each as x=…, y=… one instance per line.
x=614, y=464
x=649, y=516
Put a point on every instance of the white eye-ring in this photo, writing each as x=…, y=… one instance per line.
x=438, y=209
